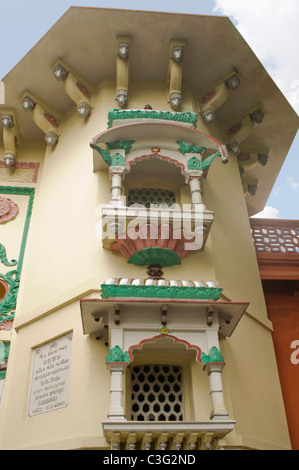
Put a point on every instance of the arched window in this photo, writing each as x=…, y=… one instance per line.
x=154, y=181
x=159, y=380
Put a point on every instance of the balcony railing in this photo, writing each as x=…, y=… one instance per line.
x=276, y=243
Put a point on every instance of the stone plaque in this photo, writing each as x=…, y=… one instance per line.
x=50, y=376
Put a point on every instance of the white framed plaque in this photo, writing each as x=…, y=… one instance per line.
x=49, y=389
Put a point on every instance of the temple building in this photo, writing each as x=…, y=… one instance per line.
x=134, y=315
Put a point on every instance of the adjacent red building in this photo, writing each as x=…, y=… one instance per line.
x=277, y=248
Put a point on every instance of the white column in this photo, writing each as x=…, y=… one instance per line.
x=195, y=191
x=116, y=185
x=116, y=410
x=218, y=411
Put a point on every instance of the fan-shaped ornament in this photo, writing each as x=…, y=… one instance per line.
x=8, y=210
x=153, y=245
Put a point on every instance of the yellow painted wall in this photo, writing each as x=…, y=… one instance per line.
x=64, y=259
x=88, y=404
x=251, y=371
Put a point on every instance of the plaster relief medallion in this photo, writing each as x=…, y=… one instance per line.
x=8, y=210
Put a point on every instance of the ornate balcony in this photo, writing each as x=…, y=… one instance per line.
x=165, y=235
x=277, y=247
x=166, y=435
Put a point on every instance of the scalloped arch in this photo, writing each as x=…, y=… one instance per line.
x=157, y=337
x=156, y=156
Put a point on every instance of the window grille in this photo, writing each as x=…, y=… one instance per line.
x=156, y=393
x=148, y=196
x=275, y=236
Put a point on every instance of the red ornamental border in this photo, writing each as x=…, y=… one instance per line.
x=160, y=156
x=26, y=166
x=154, y=338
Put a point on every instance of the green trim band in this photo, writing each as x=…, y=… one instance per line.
x=123, y=114
x=155, y=255
x=160, y=292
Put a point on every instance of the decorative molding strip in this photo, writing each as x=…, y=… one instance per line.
x=161, y=292
x=123, y=114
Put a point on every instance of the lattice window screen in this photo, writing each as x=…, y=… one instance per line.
x=148, y=196
x=276, y=238
x=157, y=393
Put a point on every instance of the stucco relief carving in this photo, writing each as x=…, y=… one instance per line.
x=8, y=210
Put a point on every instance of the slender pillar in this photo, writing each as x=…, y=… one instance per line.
x=116, y=410
x=116, y=186
x=218, y=411
x=195, y=190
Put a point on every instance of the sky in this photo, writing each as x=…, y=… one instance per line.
x=270, y=27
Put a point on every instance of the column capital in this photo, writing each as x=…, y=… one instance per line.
x=210, y=367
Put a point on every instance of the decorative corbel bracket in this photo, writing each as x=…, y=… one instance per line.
x=75, y=87
x=117, y=314
x=215, y=96
x=101, y=333
x=164, y=315
x=224, y=318
x=43, y=116
x=250, y=186
x=123, y=52
x=175, y=72
x=242, y=128
x=249, y=158
x=209, y=315
x=10, y=136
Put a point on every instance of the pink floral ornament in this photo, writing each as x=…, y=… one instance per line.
x=8, y=210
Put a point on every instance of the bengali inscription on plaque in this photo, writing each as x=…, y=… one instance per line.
x=50, y=376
